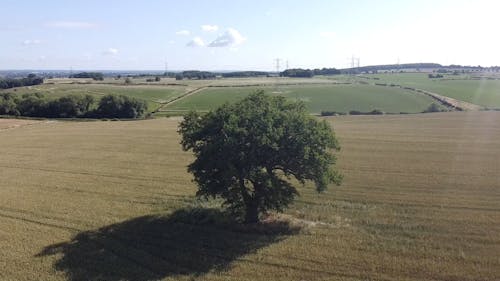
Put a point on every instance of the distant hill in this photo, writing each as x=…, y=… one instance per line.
x=391, y=67
x=416, y=67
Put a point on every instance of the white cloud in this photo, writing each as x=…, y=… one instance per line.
x=71, y=24
x=196, y=42
x=42, y=58
x=110, y=52
x=230, y=38
x=183, y=32
x=31, y=42
x=209, y=28
x=328, y=34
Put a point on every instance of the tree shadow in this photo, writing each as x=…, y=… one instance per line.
x=187, y=242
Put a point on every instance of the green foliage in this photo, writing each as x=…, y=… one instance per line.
x=94, y=75
x=196, y=74
x=331, y=113
x=120, y=106
x=247, y=153
x=433, y=107
x=245, y=74
x=8, y=104
x=71, y=106
x=373, y=112
x=298, y=72
x=31, y=80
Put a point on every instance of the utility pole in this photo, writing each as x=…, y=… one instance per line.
x=277, y=60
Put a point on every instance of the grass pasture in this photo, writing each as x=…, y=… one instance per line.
x=110, y=201
x=340, y=98
x=481, y=92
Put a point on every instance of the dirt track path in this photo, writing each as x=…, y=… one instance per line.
x=176, y=99
x=457, y=104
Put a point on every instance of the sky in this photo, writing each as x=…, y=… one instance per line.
x=245, y=35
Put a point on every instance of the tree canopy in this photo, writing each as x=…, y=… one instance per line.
x=248, y=153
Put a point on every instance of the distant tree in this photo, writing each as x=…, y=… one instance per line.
x=157, y=79
x=94, y=75
x=433, y=107
x=128, y=80
x=298, y=72
x=120, y=106
x=179, y=76
x=247, y=153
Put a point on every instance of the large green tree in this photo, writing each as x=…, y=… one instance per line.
x=248, y=153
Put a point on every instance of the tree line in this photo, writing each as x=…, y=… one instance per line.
x=307, y=73
x=72, y=106
x=31, y=80
x=98, y=76
x=195, y=74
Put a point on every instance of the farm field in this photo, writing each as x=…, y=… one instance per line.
x=111, y=200
x=481, y=92
x=15, y=123
x=152, y=94
x=340, y=98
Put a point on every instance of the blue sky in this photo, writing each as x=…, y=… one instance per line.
x=245, y=35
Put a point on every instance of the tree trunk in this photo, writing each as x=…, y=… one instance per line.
x=252, y=211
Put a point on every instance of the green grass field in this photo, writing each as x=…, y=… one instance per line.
x=340, y=98
x=154, y=95
x=111, y=200
x=480, y=92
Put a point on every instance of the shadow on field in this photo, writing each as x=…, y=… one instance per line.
x=188, y=242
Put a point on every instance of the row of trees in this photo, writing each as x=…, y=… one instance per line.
x=299, y=72
x=245, y=74
x=195, y=74
x=72, y=106
x=31, y=80
x=98, y=76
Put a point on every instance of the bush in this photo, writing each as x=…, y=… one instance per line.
x=113, y=106
x=373, y=112
x=331, y=113
x=433, y=107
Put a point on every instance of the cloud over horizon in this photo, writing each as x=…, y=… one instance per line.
x=29, y=42
x=230, y=38
x=110, y=52
x=209, y=28
x=196, y=42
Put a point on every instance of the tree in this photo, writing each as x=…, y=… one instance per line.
x=247, y=153
x=120, y=106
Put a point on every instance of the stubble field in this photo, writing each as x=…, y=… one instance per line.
x=113, y=201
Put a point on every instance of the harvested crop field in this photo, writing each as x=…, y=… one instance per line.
x=15, y=123
x=112, y=200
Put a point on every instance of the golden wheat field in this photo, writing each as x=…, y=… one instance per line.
x=113, y=201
